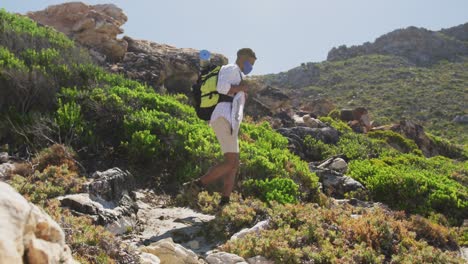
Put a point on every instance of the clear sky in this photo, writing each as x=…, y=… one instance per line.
x=283, y=33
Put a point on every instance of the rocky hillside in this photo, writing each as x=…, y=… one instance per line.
x=419, y=46
x=98, y=160
x=410, y=73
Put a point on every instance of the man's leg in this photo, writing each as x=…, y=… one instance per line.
x=230, y=176
x=219, y=170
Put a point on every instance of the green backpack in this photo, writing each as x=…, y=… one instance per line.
x=205, y=95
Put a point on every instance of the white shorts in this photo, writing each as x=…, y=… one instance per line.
x=229, y=142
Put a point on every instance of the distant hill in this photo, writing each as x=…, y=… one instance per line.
x=410, y=73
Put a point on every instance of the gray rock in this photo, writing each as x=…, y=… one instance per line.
x=4, y=157
x=146, y=258
x=117, y=218
x=112, y=184
x=336, y=164
x=461, y=119
x=259, y=260
x=335, y=183
x=262, y=225
x=5, y=168
x=328, y=135
x=225, y=258
x=169, y=252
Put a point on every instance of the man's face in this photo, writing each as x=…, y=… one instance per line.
x=252, y=60
x=249, y=59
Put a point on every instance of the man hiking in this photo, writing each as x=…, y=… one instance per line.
x=225, y=122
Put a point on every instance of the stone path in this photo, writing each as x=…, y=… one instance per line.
x=159, y=221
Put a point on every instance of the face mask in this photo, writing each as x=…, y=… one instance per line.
x=247, y=67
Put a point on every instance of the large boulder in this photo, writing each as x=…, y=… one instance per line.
x=27, y=233
x=169, y=252
x=163, y=65
x=94, y=26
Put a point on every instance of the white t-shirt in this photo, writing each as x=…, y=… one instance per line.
x=229, y=74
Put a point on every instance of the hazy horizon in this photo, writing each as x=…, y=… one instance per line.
x=283, y=34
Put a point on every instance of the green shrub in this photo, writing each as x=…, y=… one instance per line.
x=300, y=233
x=52, y=182
x=317, y=150
x=414, y=183
x=336, y=123
x=69, y=121
x=282, y=190
x=358, y=146
x=396, y=141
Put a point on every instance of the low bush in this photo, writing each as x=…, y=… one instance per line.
x=415, y=184
x=282, y=190
x=302, y=233
x=397, y=141
x=53, y=181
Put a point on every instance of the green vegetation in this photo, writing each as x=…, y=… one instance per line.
x=278, y=189
x=300, y=233
x=415, y=184
x=393, y=89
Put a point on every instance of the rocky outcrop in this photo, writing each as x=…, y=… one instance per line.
x=94, y=26
x=459, y=32
x=112, y=184
x=331, y=176
x=27, y=233
x=162, y=65
x=426, y=144
x=109, y=201
x=418, y=45
x=301, y=76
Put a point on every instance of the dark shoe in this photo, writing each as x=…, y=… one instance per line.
x=224, y=201
x=192, y=187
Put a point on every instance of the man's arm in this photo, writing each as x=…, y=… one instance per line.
x=242, y=87
x=225, y=78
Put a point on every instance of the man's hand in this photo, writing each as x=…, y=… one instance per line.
x=242, y=87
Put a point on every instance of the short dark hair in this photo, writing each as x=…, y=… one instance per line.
x=246, y=52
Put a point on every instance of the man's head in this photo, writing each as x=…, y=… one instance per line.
x=246, y=59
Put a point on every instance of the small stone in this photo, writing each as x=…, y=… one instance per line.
x=4, y=157
x=225, y=258
x=194, y=244
x=259, y=260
